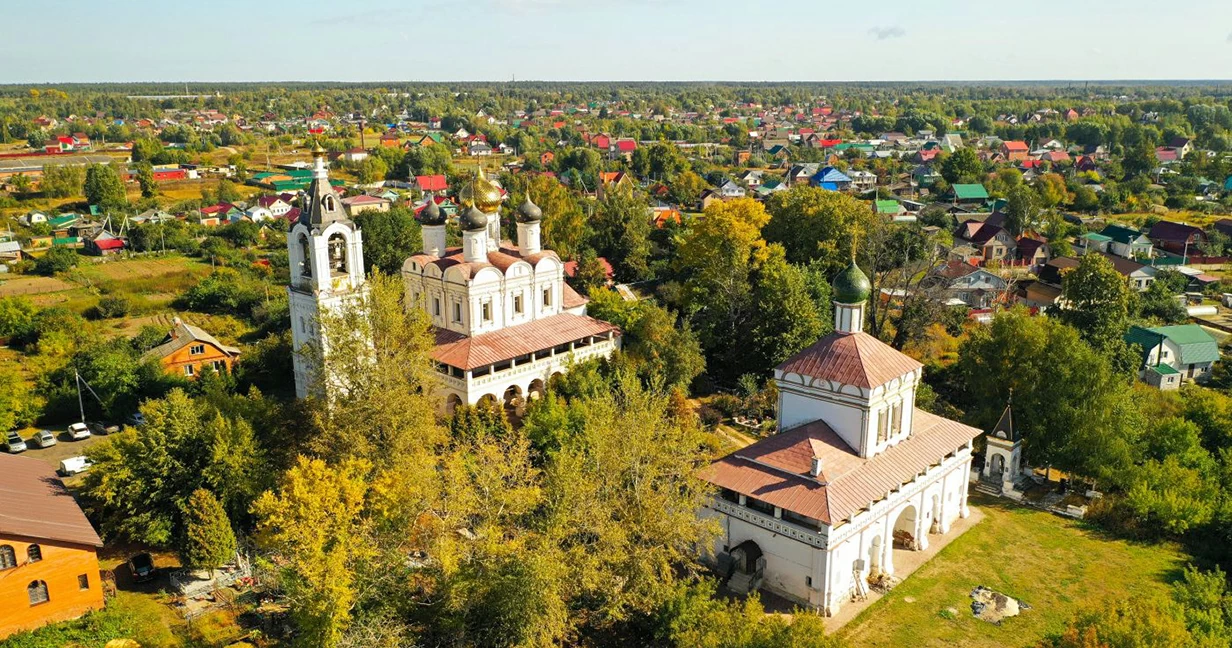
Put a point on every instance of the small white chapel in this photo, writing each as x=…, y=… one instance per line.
x=854, y=475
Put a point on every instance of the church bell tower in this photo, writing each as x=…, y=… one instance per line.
x=326, y=253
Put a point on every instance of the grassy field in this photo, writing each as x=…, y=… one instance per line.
x=1055, y=565
x=150, y=282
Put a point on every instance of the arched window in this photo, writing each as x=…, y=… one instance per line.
x=328, y=203
x=338, y=253
x=34, y=552
x=305, y=256
x=37, y=591
x=8, y=559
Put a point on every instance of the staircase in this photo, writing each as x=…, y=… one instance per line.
x=982, y=486
x=743, y=583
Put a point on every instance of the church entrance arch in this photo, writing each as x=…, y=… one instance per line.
x=452, y=403
x=536, y=389
x=513, y=400
x=996, y=466
x=905, y=528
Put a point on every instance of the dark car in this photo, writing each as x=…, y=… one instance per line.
x=98, y=428
x=142, y=568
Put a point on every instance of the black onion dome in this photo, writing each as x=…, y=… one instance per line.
x=529, y=212
x=432, y=214
x=473, y=220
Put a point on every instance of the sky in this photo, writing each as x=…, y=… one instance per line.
x=59, y=41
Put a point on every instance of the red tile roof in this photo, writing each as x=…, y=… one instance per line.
x=1016, y=145
x=856, y=359
x=35, y=504
x=776, y=469
x=457, y=350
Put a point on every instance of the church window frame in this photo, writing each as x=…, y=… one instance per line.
x=547, y=297
x=517, y=304
x=883, y=424
x=896, y=419
x=486, y=311
x=457, y=312
x=436, y=306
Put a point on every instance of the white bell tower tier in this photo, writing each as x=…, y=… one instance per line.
x=326, y=253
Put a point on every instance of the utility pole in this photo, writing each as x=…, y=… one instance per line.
x=80, y=404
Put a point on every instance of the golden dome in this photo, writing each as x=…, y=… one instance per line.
x=481, y=193
x=318, y=151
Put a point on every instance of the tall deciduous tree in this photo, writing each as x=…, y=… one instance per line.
x=103, y=187
x=621, y=232
x=963, y=165
x=813, y=224
x=1021, y=209
x=390, y=237
x=1097, y=302
x=315, y=522
x=1072, y=409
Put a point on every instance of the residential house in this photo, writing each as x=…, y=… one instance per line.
x=1179, y=238
x=994, y=242
x=1139, y=276
x=363, y=202
x=431, y=184
x=257, y=213
x=10, y=251
x=1182, y=145
x=187, y=350
x=862, y=181
x=831, y=178
x=104, y=244
x=479, y=148
x=975, y=287
x=751, y=178
x=731, y=189
x=1015, y=151
x=1034, y=251
x=357, y=154
x=216, y=214
x=1174, y=354
x=1127, y=242
x=968, y=193
x=277, y=205
x=801, y=173
x=890, y=208
x=48, y=550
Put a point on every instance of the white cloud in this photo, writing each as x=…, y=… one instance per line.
x=888, y=31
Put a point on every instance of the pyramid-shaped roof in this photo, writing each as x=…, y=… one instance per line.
x=856, y=359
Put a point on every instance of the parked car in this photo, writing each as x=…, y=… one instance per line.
x=13, y=443
x=79, y=431
x=75, y=465
x=142, y=568
x=98, y=428
x=43, y=439
x=136, y=419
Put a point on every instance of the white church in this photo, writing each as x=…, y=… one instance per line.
x=854, y=475
x=505, y=321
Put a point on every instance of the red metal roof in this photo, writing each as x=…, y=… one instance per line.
x=35, y=504
x=1016, y=145
x=432, y=182
x=776, y=469
x=856, y=359
x=457, y=350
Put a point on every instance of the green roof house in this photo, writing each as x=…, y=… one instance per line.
x=1172, y=354
x=890, y=208
x=1127, y=242
x=968, y=193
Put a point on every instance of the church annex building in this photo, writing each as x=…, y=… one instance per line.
x=855, y=473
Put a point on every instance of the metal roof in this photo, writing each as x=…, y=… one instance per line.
x=35, y=504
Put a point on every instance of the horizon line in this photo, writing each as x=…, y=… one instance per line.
x=4, y=84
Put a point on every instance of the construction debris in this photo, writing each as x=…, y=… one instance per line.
x=993, y=607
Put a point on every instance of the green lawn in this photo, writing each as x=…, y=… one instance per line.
x=1053, y=564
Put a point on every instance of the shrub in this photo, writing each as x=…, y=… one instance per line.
x=57, y=259
x=110, y=306
x=728, y=404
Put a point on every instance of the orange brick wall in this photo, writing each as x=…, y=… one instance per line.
x=59, y=568
x=175, y=362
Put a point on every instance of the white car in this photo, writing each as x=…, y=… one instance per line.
x=43, y=439
x=79, y=431
x=75, y=465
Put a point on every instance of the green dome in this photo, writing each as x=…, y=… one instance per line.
x=851, y=286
